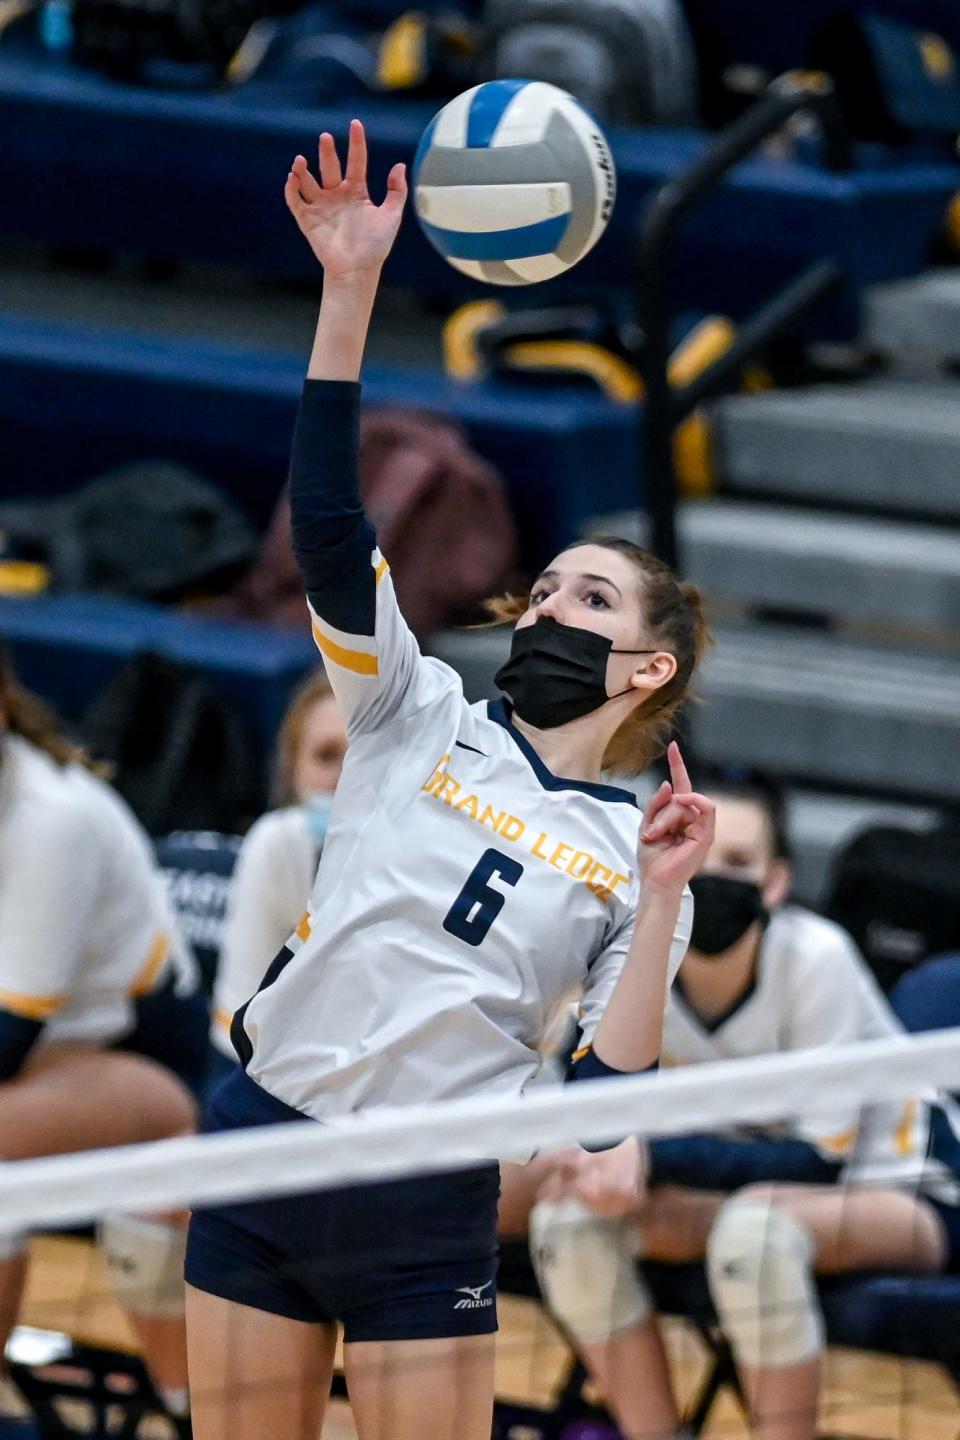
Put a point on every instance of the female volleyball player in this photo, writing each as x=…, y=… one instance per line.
x=278, y=859
x=476, y=871
x=90, y=966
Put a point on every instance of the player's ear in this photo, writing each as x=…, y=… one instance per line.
x=777, y=886
x=656, y=671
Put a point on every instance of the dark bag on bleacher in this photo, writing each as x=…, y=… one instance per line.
x=152, y=530
x=898, y=894
x=894, y=82
x=631, y=62
x=181, y=756
x=441, y=517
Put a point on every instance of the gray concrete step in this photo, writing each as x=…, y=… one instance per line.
x=850, y=568
x=823, y=710
x=832, y=711
x=920, y=316
x=881, y=445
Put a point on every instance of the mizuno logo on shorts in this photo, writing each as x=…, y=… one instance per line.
x=474, y=1298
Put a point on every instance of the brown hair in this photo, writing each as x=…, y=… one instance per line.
x=26, y=715
x=314, y=688
x=676, y=622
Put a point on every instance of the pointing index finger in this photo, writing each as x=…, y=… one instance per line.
x=678, y=771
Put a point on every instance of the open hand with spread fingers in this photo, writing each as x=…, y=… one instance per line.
x=348, y=233
x=677, y=830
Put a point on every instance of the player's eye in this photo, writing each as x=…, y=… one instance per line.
x=538, y=594
x=597, y=600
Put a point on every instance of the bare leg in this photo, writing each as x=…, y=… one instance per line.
x=405, y=1389
x=631, y=1370
x=255, y=1376
x=851, y=1230
x=75, y=1097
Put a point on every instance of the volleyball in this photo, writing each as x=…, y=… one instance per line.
x=513, y=182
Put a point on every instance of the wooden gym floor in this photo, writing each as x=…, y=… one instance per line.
x=867, y=1396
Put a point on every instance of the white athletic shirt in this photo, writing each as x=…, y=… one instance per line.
x=464, y=892
x=85, y=924
x=813, y=988
x=269, y=889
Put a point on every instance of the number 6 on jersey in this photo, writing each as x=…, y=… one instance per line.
x=478, y=895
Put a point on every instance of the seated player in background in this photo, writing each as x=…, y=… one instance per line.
x=897, y=1208
x=91, y=971
x=760, y=976
x=277, y=863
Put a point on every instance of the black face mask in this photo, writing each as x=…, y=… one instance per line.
x=723, y=911
x=558, y=673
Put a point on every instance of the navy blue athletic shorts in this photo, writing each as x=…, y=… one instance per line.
x=396, y=1260
x=173, y=1030
x=950, y=1215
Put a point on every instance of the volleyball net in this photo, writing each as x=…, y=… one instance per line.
x=761, y=1095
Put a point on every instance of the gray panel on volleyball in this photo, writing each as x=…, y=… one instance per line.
x=476, y=655
x=831, y=710
x=920, y=316
x=890, y=446
x=820, y=826
x=843, y=566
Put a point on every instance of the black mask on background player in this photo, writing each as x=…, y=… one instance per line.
x=723, y=911
x=557, y=673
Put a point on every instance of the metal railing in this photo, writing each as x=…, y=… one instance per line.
x=665, y=406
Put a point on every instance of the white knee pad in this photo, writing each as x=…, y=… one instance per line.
x=758, y=1262
x=145, y=1258
x=587, y=1270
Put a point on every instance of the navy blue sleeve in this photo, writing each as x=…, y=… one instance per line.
x=332, y=538
x=18, y=1035
x=589, y=1066
x=711, y=1162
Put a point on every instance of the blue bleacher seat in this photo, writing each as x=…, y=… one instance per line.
x=198, y=177
x=75, y=401
x=67, y=648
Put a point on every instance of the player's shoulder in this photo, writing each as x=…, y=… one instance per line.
x=810, y=945
x=277, y=831
x=42, y=790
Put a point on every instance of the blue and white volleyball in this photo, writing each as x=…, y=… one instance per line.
x=513, y=182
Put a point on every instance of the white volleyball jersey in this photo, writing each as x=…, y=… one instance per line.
x=85, y=923
x=271, y=884
x=813, y=988
x=464, y=892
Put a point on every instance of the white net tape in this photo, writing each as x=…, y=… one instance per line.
x=291, y=1158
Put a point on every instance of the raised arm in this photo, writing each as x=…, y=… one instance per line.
x=369, y=654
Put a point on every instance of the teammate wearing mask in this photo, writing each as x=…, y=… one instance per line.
x=760, y=976
x=476, y=871
x=277, y=862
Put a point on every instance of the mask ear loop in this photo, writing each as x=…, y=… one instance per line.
x=628, y=652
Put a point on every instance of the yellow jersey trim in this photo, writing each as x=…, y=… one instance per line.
x=381, y=569
x=146, y=980
x=579, y=1054
x=357, y=660
x=303, y=929
x=223, y=1020
x=32, y=1007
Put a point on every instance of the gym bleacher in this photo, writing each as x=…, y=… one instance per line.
x=155, y=303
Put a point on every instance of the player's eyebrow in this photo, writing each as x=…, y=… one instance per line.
x=585, y=575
